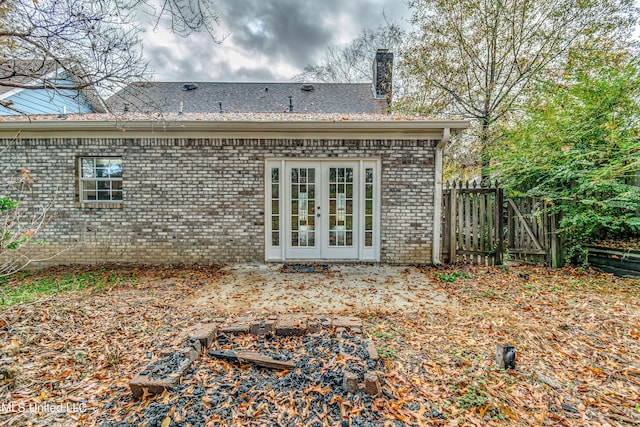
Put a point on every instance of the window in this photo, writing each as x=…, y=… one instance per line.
x=100, y=179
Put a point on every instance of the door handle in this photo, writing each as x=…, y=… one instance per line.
x=318, y=215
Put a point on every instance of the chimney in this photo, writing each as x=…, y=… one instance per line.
x=382, y=70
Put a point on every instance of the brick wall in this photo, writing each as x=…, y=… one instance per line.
x=202, y=200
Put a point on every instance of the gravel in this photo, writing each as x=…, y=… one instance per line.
x=233, y=394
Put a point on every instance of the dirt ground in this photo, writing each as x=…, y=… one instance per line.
x=342, y=288
x=66, y=359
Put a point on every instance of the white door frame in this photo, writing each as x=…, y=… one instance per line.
x=278, y=209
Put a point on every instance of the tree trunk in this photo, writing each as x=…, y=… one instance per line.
x=485, y=160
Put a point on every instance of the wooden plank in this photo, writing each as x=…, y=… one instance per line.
x=510, y=227
x=527, y=251
x=523, y=233
x=474, y=227
x=446, y=213
x=467, y=221
x=622, y=272
x=460, y=201
x=525, y=225
x=499, y=226
x=471, y=252
x=483, y=224
x=556, y=255
x=621, y=253
x=476, y=190
x=452, y=226
x=252, y=357
x=491, y=205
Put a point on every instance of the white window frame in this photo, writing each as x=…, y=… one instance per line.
x=83, y=193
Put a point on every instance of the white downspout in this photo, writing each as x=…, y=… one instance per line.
x=437, y=198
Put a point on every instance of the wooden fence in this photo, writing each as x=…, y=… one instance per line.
x=481, y=227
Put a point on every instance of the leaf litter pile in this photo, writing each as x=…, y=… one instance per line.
x=577, y=336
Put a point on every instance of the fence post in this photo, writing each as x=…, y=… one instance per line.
x=556, y=256
x=499, y=225
x=451, y=218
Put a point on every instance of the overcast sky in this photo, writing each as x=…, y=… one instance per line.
x=269, y=40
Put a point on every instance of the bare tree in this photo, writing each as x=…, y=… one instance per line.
x=478, y=58
x=96, y=44
x=17, y=225
x=352, y=63
x=93, y=42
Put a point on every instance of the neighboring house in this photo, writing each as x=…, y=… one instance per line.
x=208, y=187
x=54, y=100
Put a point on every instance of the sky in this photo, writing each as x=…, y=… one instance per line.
x=268, y=40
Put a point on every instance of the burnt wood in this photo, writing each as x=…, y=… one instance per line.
x=252, y=357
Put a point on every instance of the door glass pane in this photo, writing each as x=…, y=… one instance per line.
x=303, y=207
x=368, y=208
x=341, y=207
x=275, y=207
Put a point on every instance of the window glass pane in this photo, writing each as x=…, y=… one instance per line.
x=115, y=170
x=88, y=168
x=275, y=175
x=275, y=239
x=104, y=195
x=88, y=185
x=116, y=195
x=312, y=175
x=275, y=191
x=275, y=207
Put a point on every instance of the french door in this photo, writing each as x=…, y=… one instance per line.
x=322, y=210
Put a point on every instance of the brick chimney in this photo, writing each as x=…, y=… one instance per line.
x=382, y=70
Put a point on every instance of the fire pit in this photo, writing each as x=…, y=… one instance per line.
x=328, y=377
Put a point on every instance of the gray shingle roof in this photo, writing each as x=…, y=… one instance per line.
x=247, y=98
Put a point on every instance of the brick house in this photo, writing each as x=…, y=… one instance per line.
x=195, y=186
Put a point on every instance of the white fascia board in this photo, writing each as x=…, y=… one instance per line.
x=348, y=129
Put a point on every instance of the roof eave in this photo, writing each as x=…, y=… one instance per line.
x=350, y=129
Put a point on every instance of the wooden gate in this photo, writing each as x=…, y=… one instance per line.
x=481, y=227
